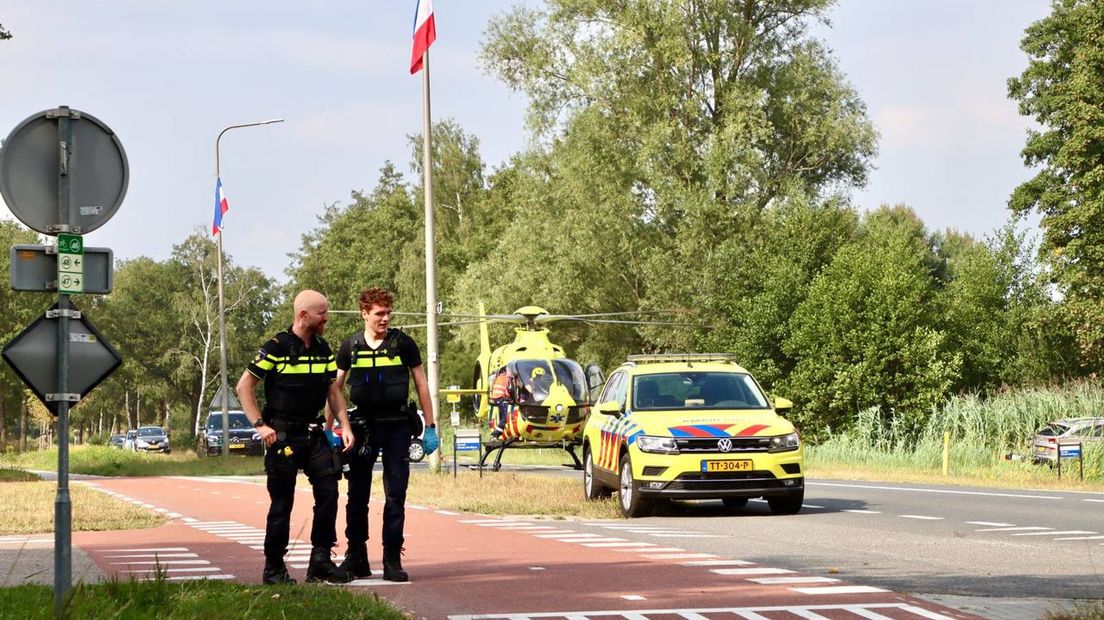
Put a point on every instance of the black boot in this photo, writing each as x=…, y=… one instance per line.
x=392, y=565
x=356, y=562
x=275, y=573
x=322, y=568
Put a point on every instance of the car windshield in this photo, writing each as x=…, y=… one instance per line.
x=536, y=378
x=697, y=390
x=152, y=431
x=237, y=421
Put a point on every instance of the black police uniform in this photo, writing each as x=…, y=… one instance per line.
x=379, y=384
x=297, y=380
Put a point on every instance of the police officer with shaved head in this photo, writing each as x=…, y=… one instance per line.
x=299, y=372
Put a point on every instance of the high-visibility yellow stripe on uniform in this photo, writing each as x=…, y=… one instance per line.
x=266, y=363
x=369, y=361
x=316, y=366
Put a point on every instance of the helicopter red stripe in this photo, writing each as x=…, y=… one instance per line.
x=751, y=430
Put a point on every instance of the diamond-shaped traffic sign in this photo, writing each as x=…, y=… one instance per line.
x=33, y=355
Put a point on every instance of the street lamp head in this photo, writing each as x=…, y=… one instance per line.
x=272, y=120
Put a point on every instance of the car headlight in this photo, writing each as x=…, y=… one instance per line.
x=657, y=445
x=212, y=440
x=782, y=443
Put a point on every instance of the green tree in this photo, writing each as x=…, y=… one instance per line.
x=867, y=336
x=1062, y=89
x=18, y=310
x=668, y=129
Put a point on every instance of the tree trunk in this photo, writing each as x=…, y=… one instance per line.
x=23, y=427
x=3, y=425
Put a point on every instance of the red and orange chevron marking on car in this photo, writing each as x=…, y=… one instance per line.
x=716, y=430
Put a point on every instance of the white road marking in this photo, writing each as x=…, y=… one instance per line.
x=577, y=539
x=1082, y=538
x=719, y=563
x=618, y=544
x=153, y=549
x=1054, y=533
x=922, y=490
x=922, y=517
x=1014, y=529
x=536, y=568
x=447, y=513
x=374, y=582
x=571, y=535
x=633, y=597
x=190, y=569
x=155, y=555
x=870, y=610
x=198, y=577
x=990, y=524
x=685, y=535
x=1099, y=501
x=838, y=590
x=163, y=563
x=650, y=550
x=811, y=506
x=680, y=556
x=778, y=581
x=752, y=571
x=865, y=512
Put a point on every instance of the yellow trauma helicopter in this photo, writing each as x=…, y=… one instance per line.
x=528, y=391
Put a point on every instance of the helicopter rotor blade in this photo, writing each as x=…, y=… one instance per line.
x=626, y=322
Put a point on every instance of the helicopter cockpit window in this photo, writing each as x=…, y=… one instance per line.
x=534, y=379
x=697, y=390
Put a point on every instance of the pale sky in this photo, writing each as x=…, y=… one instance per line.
x=168, y=76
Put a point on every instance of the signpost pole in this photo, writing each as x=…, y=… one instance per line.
x=63, y=508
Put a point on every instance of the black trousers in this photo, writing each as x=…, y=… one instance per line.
x=389, y=442
x=312, y=454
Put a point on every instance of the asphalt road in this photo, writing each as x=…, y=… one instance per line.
x=466, y=566
x=912, y=538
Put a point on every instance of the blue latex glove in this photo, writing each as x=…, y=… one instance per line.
x=431, y=441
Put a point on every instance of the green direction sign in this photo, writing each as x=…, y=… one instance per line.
x=70, y=264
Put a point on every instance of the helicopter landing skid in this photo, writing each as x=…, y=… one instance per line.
x=499, y=446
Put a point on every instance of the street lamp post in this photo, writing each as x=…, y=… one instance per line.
x=225, y=389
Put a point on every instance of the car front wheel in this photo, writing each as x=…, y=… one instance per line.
x=630, y=501
x=592, y=489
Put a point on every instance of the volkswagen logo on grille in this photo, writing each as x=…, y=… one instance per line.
x=724, y=445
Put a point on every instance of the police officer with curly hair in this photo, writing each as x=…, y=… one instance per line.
x=299, y=372
x=378, y=364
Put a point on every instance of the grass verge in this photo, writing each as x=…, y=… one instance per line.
x=126, y=600
x=504, y=493
x=29, y=509
x=105, y=461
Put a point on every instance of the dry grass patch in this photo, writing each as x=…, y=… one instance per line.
x=29, y=509
x=503, y=493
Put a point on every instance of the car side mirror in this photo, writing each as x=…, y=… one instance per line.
x=782, y=405
x=610, y=407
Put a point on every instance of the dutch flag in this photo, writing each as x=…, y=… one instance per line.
x=425, y=33
x=221, y=207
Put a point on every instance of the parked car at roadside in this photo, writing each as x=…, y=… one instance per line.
x=244, y=439
x=1044, y=448
x=151, y=439
x=116, y=441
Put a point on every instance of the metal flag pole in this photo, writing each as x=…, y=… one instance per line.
x=433, y=376
x=224, y=388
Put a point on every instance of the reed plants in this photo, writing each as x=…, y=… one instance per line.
x=989, y=437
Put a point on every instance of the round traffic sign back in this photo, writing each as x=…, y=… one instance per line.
x=97, y=169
